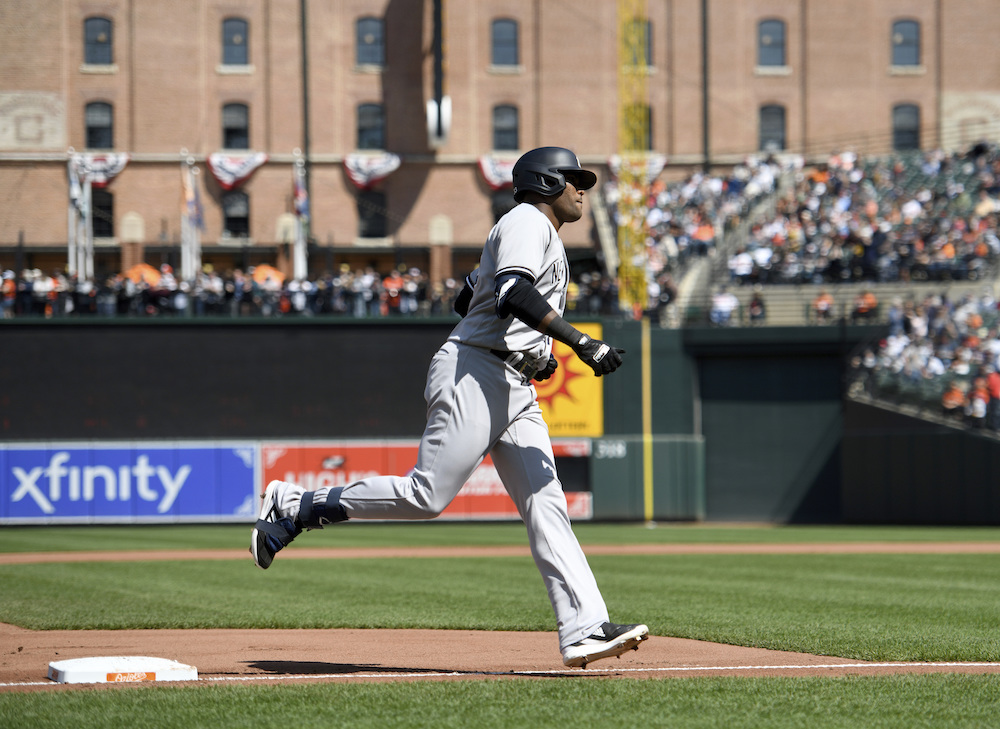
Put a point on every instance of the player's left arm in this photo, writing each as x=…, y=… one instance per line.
x=517, y=296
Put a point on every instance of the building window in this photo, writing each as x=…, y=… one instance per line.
x=370, y=42
x=638, y=128
x=639, y=40
x=504, y=42
x=771, y=43
x=236, y=215
x=905, y=127
x=371, y=127
x=505, y=128
x=102, y=204
x=906, y=43
x=235, y=126
x=772, y=128
x=97, y=42
x=235, y=48
x=372, y=214
x=100, y=125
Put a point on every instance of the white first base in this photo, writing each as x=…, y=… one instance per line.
x=120, y=669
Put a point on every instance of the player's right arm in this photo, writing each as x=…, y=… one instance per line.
x=517, y=296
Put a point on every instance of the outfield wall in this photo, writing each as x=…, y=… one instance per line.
x=734, y=425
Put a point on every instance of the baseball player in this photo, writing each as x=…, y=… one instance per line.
x=480, y=400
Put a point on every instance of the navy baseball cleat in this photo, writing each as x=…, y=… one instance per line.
x=272, y=532
x=608, y=640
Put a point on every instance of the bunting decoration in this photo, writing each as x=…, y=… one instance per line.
x=85, y=172
x=99, y=169
x=497, y=173
x=233, y=170
x=365, y=170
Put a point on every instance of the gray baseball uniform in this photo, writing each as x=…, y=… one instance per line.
x=479, y=403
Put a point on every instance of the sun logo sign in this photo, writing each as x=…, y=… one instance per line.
x=572, y=400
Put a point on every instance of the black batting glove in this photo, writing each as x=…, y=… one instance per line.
x=600, y=356
x=548, y=370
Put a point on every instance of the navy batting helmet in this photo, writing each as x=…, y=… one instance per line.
x=542, y=170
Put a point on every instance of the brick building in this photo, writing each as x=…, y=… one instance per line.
x=206, y=84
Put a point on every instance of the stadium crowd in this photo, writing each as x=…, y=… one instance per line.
x=919, y=217
x=939, y=355
x=684, y=220
x=260, y=291
x=926, y=216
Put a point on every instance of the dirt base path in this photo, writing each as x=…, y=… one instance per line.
x=233, y=656
x=274, y=656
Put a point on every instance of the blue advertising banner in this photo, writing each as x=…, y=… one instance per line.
x=127, y=482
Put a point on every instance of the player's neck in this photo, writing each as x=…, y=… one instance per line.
x=545, y=209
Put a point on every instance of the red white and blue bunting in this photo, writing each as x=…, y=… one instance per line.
x=498, y=173
x=98, y=169
x=364, y=170
x=233, y=170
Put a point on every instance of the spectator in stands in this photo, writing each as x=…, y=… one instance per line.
x=8, y=292
x=953, y=400
x=865, y=307
x=978, y=402
x=992, y=378
x=741, y=266
x=822, y=307
x=757, y=309
x=724, y=303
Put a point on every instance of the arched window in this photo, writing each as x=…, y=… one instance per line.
x=371, y=126
x=771, y=43
x=906, y=43
x=503, y=38
x=99, y=120
x=505, y=127
x=236, y=214
x=905, y=127
x=235, y=46
x=370, y=42
x=97, y=47
x=772, y=128
x=639, y=41
x=102, y=205
x=235, y=126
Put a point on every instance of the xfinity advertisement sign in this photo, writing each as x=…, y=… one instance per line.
x=127, y=482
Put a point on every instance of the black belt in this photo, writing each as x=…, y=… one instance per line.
x=525, y=367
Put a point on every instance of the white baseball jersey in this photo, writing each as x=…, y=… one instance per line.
x=522, y=242
x=478, y=404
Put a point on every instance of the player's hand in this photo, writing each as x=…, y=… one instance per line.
x=600, y=356
x=547, y=371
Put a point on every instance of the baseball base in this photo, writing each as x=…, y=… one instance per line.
x=120, y=669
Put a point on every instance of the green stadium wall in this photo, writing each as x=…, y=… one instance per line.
x=746, y=424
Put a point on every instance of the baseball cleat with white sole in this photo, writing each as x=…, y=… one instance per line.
x=272, y=532
x=608, y=640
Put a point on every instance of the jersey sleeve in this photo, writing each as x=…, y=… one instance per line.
x=521, y=247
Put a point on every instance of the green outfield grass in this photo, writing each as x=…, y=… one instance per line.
x=896, y=702
x=887, y=607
